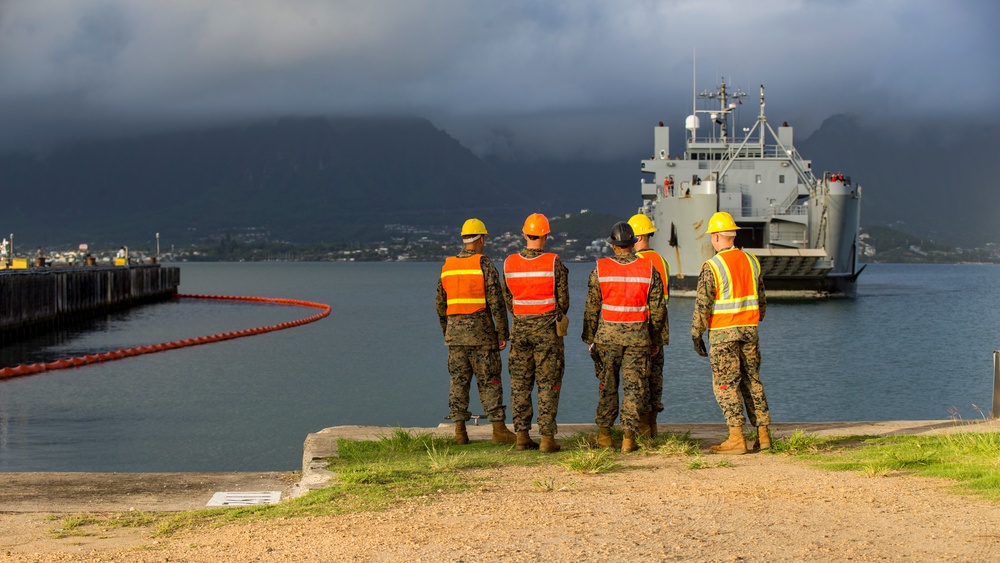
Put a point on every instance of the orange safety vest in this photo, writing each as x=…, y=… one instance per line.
x=736, y=296
x=532, y=283
x=661, y=266
x=624, y=290
x=464, y=284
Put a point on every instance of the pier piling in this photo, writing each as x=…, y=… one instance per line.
x=38, y=299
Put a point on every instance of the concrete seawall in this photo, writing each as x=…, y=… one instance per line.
x=40, y=299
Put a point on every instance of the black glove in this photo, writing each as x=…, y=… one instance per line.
x=699, y=345
x=594, y=355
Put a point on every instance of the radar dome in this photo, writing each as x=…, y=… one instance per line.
x=691, y=123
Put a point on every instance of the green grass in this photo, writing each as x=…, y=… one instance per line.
x=675, y=444
x=716, y=461
x=549, y=484
x=586, y=458
x=81, y=524
x=378, y=474
x=970, y=459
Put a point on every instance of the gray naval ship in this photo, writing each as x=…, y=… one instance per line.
x=802, y=227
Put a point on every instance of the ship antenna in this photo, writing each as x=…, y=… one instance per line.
x=762, y=119
x=694, y=82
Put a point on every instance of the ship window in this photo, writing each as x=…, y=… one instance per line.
x=781, y=178
x=758, y=178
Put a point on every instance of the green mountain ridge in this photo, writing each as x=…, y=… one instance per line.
x=304, y=180
x=322, y=180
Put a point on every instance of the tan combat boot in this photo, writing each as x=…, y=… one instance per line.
x=735, y=445
x=461, y=436
x=524, y=441
x=501, y=435
x=549, y=445
x=653, y=430
x=764, y=437
x=603, y=438
x=628, y=442
x=644, y=429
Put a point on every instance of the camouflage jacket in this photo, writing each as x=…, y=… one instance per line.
x=478, y=329
x=652, y=332
x=704, y=301
x=537, y=325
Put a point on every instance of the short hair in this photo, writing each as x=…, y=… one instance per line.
x=532, y=237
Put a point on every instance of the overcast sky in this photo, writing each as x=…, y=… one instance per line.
x=572, y=77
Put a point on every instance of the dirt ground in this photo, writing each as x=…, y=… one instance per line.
x=654, y=508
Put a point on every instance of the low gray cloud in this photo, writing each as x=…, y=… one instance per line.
x=568, y=77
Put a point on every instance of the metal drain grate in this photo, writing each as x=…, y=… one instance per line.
x=244, y=498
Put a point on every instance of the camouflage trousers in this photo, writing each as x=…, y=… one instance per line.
x=656, y=382
x=633, y=364
x=736, y=381
x=484, y=363
x=539, y=360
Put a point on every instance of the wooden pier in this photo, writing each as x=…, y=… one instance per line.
x=39, y=299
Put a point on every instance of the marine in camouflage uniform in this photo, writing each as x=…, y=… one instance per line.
x=537, y=353
x=474, y=342
x=735, y=355
x=644, y=230
x=624, y=347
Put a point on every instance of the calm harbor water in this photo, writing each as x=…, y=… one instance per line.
x=916, y=344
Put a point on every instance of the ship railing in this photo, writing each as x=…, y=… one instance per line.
x=768, y=212
x=734, y=154
x=733, y=150
x=792, y=196
x=794, y=210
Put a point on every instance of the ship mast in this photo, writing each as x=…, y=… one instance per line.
x=761, y=118
x=726, y=107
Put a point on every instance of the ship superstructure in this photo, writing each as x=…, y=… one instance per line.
x=802, y=227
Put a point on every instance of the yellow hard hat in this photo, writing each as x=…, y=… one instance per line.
x=536, y=225
x=721, y=222
x=473, y=227
x=641, y=224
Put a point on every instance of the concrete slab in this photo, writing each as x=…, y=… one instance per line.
x=119, y=492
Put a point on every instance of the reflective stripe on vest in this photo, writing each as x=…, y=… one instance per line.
x=736, y=274
x=464, y=284
x=661, y=266
x=624, y=290
x=532, y=283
